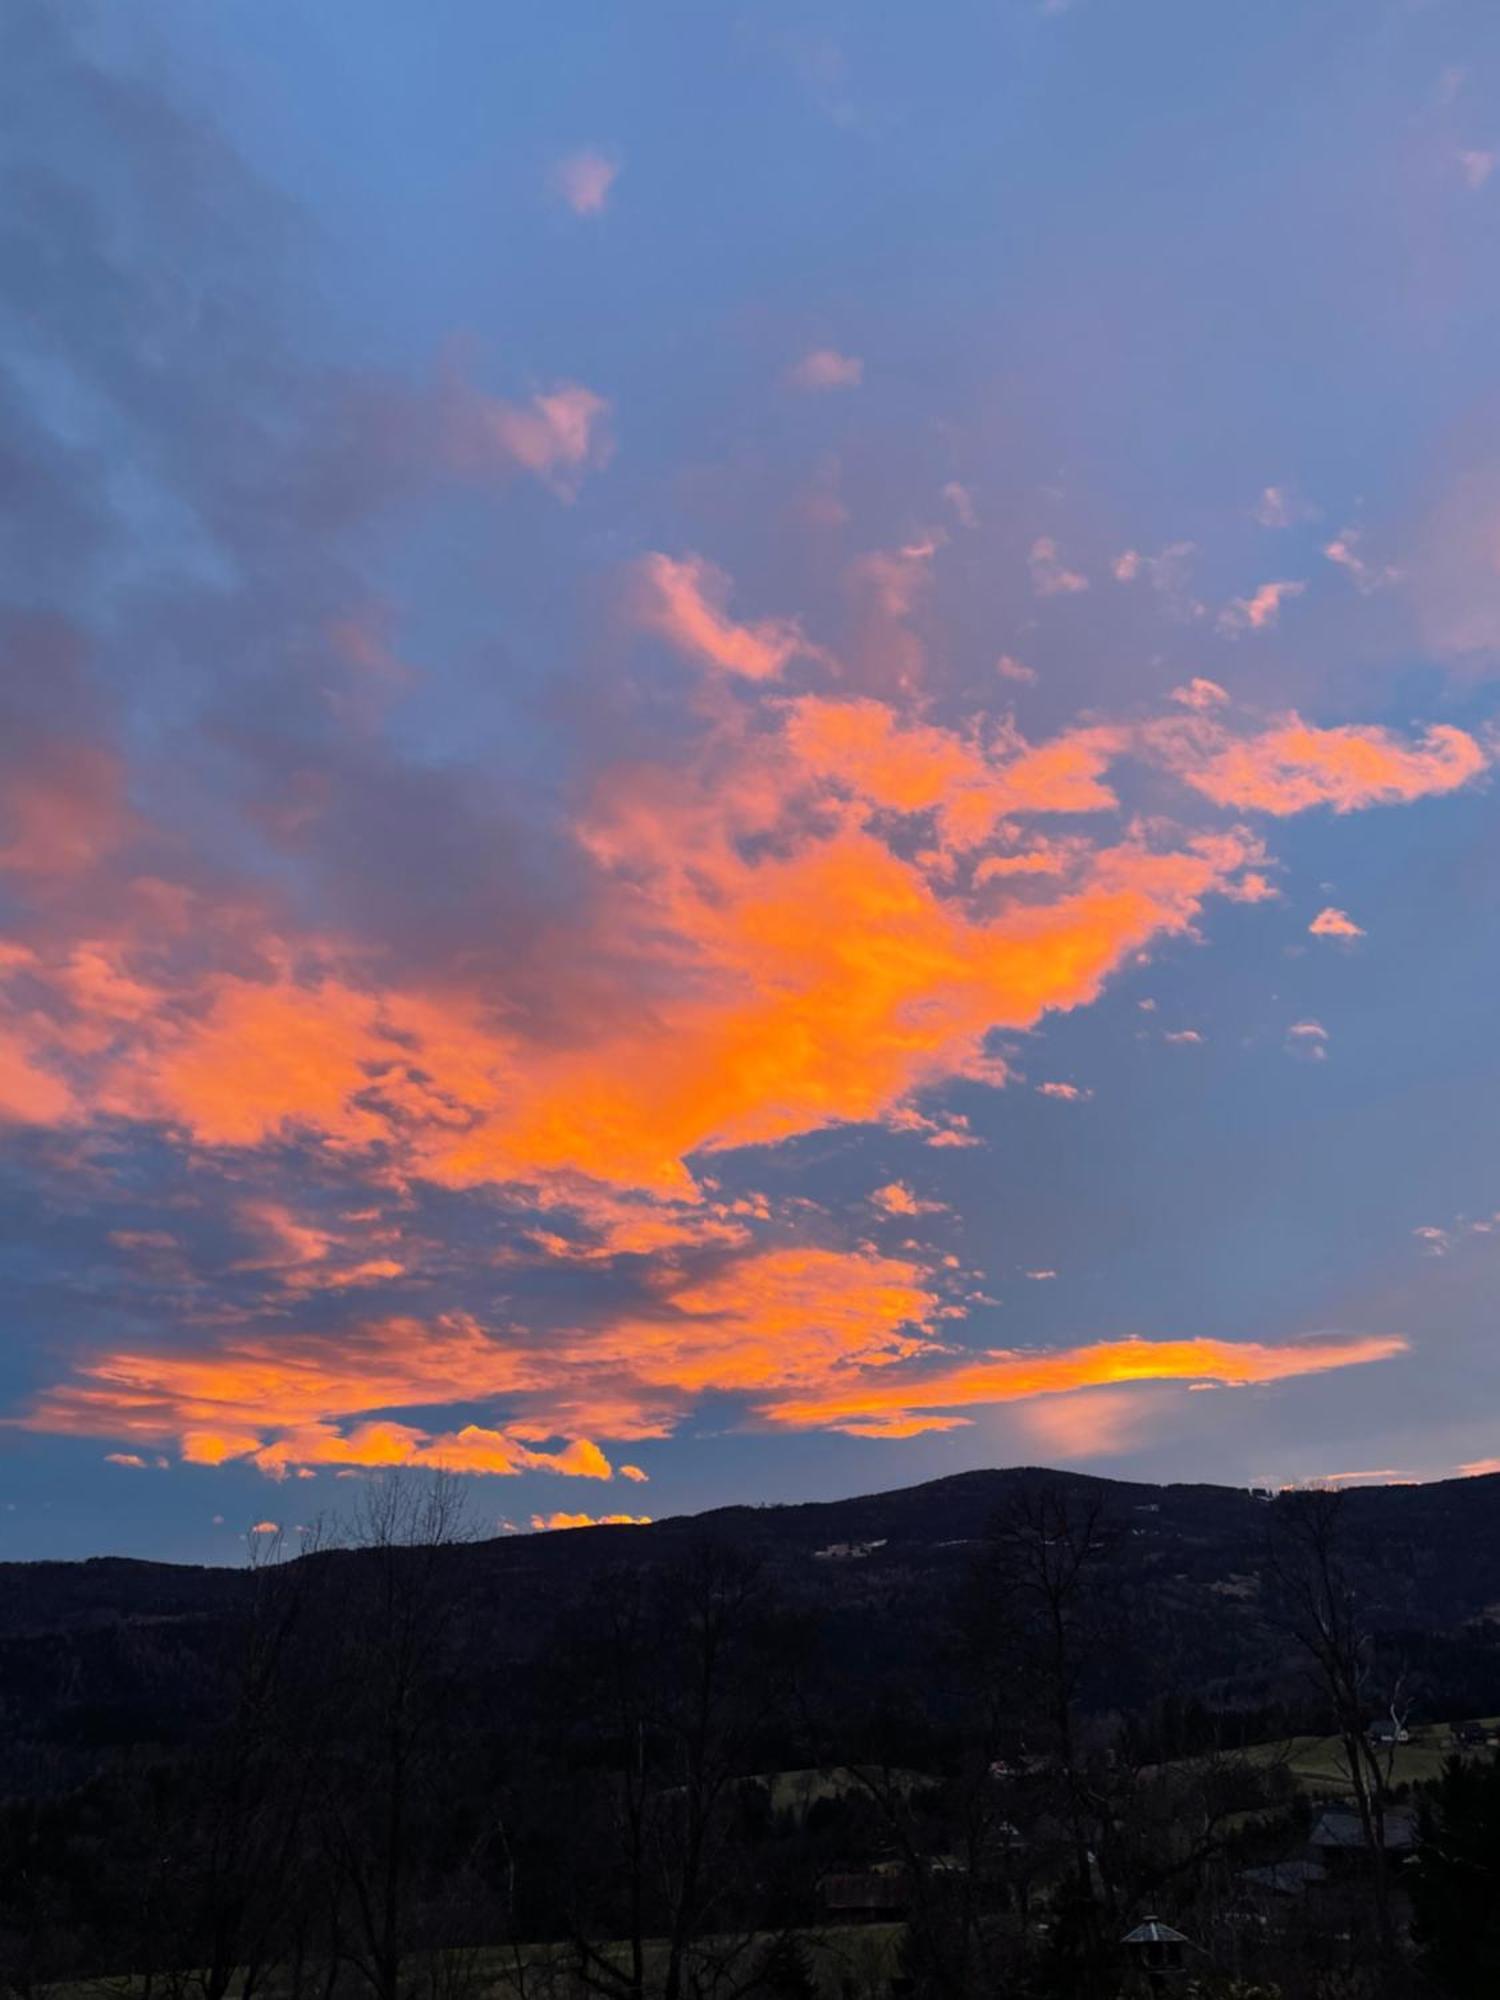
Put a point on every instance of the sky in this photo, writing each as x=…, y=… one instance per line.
x=746, y=752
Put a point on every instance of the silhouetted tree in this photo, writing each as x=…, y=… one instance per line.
x=1321, y=1609
x=1455, y=1882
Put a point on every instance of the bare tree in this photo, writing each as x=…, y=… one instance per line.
x=681, y=1669
x=250, y=1788
x=393, y=1621
x=1320, y=1609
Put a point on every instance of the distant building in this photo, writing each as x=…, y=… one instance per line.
x=1471, y=1735
x=1284, y=1878
x=1387, y=1732
x=1339, y=1835
x=847, y=1551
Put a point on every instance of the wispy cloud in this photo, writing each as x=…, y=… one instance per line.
x=1050, y=575
x=1261, y=609
x=683, y=598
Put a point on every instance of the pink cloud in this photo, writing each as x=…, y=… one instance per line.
x=1259, y=611
x=1343, y=552
x=1069, y=1093
x=584, y=181
x=961, y=500
x=1088, y=1423
x=1200, y=694
x=1279, y=507
x=1307, y=1040
x=826, y=368
x=1050, y=576
x=683, y=599
x=557, y=436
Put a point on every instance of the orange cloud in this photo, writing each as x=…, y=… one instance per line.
x=909, y=767
x=29, y=1094
x=897, y=1199
x=819, y=980
x=870, y=1408
x=1335, y=924
x=1294, y=766
x=545, y=1523
x=784, y=1317
x=763, y=952
x=277, y=1400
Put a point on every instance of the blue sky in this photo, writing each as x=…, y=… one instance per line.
x=744, y=752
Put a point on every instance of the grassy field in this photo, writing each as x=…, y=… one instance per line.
x=799, y=1791
x=1318, y=1766
x=845, y=1959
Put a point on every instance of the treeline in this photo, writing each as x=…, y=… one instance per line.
x=363, y=1794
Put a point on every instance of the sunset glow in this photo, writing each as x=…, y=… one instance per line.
x=768, y=803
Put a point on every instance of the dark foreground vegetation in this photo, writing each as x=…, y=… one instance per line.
x=952, y=1743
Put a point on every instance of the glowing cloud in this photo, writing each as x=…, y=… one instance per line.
x=908, y=1399
x=277, y=1400
x=546, y=1523
x=1295, y=766
x=1332, y=923
x=897, y=1199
